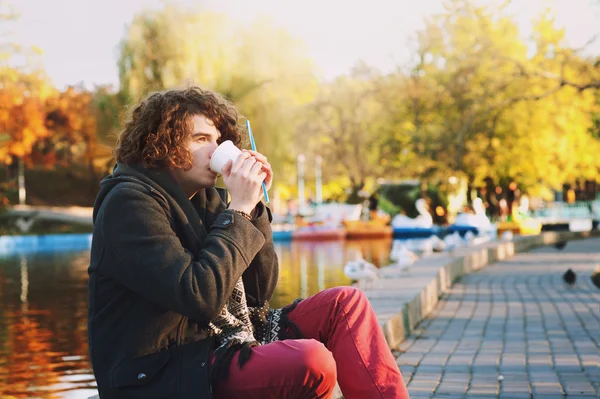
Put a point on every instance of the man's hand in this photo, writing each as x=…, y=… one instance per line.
x=243, y=179
x=266, y=166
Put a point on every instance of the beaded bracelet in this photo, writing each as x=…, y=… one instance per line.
x=244, y=214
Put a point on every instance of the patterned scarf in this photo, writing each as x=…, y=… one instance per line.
x=239, y=327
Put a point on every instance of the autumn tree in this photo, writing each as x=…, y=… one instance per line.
x=22, y=98
x=23, y=92
x=71, y=119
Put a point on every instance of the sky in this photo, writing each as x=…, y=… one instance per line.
x=79, y=38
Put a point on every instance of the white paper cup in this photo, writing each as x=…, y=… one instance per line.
x=224, y=152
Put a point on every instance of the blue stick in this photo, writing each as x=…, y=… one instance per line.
x=264, y=186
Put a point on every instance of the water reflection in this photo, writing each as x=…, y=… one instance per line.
x=306, y=268
x=43, y=335
x=43, y=310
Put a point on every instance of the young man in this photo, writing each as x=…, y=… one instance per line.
x=180, y=282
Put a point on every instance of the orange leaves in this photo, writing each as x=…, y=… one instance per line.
x=40, y=124
x=22, y=112
x=70, y=113
x=71, y=118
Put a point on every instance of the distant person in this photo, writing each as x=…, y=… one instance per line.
x=373, y=202
x=180, y=281
x=511, y=197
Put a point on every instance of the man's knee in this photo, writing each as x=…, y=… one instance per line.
x=345, y=294
x=316, y=363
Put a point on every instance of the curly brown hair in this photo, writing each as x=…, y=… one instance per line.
x=159, y=127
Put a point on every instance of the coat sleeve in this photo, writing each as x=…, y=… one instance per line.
x=146, y=256
x=260, y=278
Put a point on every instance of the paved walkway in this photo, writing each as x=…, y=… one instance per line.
x=513, y=330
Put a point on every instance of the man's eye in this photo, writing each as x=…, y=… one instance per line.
x=201, y=139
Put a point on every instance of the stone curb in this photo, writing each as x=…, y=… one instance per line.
x=401, y=325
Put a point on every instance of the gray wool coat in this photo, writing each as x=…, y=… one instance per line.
x=162, y=267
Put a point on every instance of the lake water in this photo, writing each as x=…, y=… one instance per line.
x=43, y=310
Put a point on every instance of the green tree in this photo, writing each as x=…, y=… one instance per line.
x=344, y=126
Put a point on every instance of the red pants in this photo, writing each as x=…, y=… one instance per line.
x=343, y=342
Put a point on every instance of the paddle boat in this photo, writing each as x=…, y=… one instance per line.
x=376, y=227
x=477, y=223
x=319, y=232
x=522, y=227
x=325, y=222
x=520, y=222
x=282, y=232
x=282, y=235
x=421, y=226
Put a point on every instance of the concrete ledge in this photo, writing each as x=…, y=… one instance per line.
x=402, y=303
x=69, y=214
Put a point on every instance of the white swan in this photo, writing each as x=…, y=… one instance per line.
x=24, y=224
x=424, y=220
x=438, y=244
x=427, y=247
x=507, y=236
x=469, y=236
x=361, y=270
x=453, y=241
x=402, y=256
x=421, y=246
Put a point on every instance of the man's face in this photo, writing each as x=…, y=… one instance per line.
x=201, y=145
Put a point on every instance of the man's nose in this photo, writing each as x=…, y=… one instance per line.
x=210, y=154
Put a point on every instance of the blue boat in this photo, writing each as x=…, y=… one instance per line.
x=462, y=229
x=282, y=235
x=416, y=232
